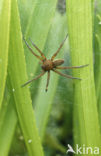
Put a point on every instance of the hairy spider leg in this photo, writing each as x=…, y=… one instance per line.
x=64, y=75
x=43, y=72
x=61, y=45
x=32, y=50
x=38, y=50
x=48, y=78
x=72, y=67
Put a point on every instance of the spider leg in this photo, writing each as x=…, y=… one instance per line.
x=38, y=50
x=72, y=67
x=43, y=72
x=48, y=78
x=61, y=45
x=65, y=75
x=32, y=50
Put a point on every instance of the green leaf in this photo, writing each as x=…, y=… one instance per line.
x=8, y=120
x=7, y=116
x=44, y=99
x=26, y=9
x=4, y=40
x=97, y=50
x=17, y=74
x=80, y=35
x=7, y=128
x=37, y=30
x=1, y=6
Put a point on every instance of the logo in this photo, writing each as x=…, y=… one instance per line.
x=82, y=150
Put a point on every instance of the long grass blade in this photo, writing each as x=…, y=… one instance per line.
x=7, y=128
x=97, y=50
x=26, y=9
x=80, y=35
x=4, y=40
x=17, y=74
x=37, y=29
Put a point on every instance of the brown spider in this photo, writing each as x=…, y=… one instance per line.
x=50, y=64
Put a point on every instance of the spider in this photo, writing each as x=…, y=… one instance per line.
x=50, y=64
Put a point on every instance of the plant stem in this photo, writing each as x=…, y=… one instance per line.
x=80, y=23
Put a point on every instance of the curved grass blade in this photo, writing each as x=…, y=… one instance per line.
x=4, y=40
x=54, y=143
x=25, y=10
x=37, y=29
x=7, y=128
x=80, y=35
x=44, y=100
x=17, y=74
x=8, y=120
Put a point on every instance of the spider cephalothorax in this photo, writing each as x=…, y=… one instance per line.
x=50, y=64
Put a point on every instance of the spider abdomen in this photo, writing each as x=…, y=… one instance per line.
x=58, y=62
x=47, y=65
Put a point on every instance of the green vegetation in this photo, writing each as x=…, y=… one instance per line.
x=33, y=122
x=85, y=107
